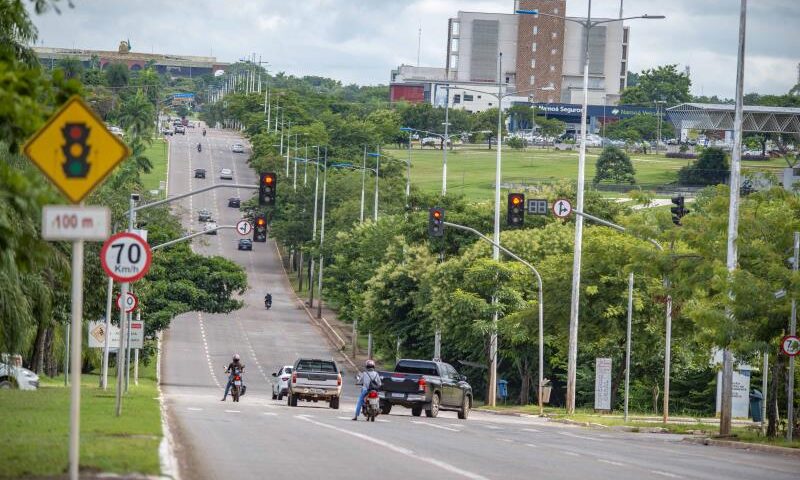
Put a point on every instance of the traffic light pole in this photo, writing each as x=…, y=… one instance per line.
x=541, y=299
x=189, y=237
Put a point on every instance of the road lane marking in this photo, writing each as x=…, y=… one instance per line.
x=435, y=426
x=272, y=414
x=610, y=462
x=530, y=445
x=232, y=411
x=665, y=474
x=193, y=409
x=533, y=430
x=567, y=434
x=401, y=450
x=491, y=427
x=573, y=454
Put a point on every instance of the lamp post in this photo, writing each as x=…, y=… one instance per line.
x=572, y=354
x=659, y=109
x=377, y=156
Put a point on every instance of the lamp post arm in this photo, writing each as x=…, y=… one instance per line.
x=189, y=237
x=615, y=227
x=189, y=194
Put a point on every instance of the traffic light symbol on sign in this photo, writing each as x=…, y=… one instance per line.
x=436, y=222
x=678, y=211
x=516, y=209
x=260, y=229
x=75, y=150
x=266, y=188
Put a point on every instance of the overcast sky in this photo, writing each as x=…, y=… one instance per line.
x=360, y=41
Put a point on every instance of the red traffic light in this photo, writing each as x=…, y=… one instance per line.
x=437, y=214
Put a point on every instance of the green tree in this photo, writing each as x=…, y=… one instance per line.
x=117, y=75
x=137, y=115
x=72, y=67
x=710, y=168
x=614, y=164
x=646, y=127
x=662, y=83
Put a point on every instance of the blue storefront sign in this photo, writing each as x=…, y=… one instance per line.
x=574, y=110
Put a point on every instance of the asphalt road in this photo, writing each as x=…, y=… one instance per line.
x=264, y=438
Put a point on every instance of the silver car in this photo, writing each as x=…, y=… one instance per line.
x=280, y=382
x=17, y=377
x=237, y=148
x=226, y=174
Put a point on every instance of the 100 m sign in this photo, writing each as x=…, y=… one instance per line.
x=126, y=257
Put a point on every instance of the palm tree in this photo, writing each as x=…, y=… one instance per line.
x=136, y=115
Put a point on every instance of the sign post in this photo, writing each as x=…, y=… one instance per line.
x=75, y=150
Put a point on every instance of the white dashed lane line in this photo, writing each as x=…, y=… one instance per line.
x=611, y=462
x=583, y=437
x=665, y=474
x=440, y=427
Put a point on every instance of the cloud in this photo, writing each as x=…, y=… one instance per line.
x=360, y=41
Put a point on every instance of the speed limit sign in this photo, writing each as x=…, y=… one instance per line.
x=131, y=302
x=126, y=257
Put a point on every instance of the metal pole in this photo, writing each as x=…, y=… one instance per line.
x=107, y=340
x=128, y=353
x=363, y=180
x=136, y=353
x=313, y=233
x=764, y=378
x=75, y=359
x=437, y=344
x=792, y=331
x=667, y=353
x=572, y=354
x=322, y=235
x=305, y=168
x=446, y=138
x=121, y=356
x=355, y=338
x=369, y=345
x=628, y=344
x=287, y=150
x=408, y=172
x=492, y=393
x=377, y=177
x=294, y=181
x=397, y=352
x=66, y=354
x=733, y=218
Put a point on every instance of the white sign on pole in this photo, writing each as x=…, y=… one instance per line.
x=244, y=227
x=131, y=302
x=740, y=391
x=75, y=222
x=602, y=384
x=562, y=208
x=126, y=257
x=97, y=331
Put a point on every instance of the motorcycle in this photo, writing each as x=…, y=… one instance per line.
x=204, y=132
x=371, y=407
x=199, y=148
x=238, y=388
x=268, y=304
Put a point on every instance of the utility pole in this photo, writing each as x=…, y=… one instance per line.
x=322, y=236
x=492, y=391
x=446, y=138
x=419, y=43
x=377, y=177
x=363, y=180
x=628, y=344
x=733, y=221
x=792, y=331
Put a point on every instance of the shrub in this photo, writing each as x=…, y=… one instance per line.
x=680, y=155
x=710, y=168
x=614, y=164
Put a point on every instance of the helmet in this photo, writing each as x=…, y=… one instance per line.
x=369, y=364
x=236, y=357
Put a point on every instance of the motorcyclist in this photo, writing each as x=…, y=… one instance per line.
x=268, y=300
x=231, y=369
x=370, y=380
x=204, y=132
x=199, y=147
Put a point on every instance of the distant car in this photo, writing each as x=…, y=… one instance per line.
x=199, y=173
x=204, y=215
x=226, y=174
x=245, y=244
x=237, y=148
x=180, y=129
x=166, y=131
x=234, y=202
x=280, y=383
x=17, y=377
x=209, y=228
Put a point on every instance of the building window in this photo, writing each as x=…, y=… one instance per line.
x=533, y=63
x=550, y=85
x=552, y=68
x=454, y=45
x=553, y=51
x=625, y=35
x=456, y=99
x=490, y=104
x=454, y=61
x=479, y=97
x=621, y=84
x=467, y=98
x=535, y=29
x=554, y=35
x=624, y=51
x=508, y=79
x=555, y=10
x=533, y=80
x=533, y=47
x=455, y=28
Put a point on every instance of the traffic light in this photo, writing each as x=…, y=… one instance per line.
x=436, y=222
x=75, y=150
x=266, y=188
x=260, y=229
x=678, y=211
x=516, y=209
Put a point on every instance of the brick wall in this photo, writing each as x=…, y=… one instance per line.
x=548, y=34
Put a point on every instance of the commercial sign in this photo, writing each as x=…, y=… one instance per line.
x=573, y=109
x=97, y=332
x=75, y=150
x=602, y=384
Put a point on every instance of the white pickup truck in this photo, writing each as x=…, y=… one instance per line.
x=313, y=380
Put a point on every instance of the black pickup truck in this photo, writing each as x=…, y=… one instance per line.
x=425, y=385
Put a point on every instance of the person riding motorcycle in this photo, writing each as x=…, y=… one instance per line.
x=199, y=147
x=204, y=132
x=268, y=300
x=370, y=380
x=232, y=368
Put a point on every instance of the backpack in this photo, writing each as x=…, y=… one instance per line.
x=373, y=381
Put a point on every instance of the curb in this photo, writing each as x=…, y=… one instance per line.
x=301, y=302
x=757, y=447
x=166, y=449
x=507, y=414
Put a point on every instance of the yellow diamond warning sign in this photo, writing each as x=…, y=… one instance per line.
x=75, y=150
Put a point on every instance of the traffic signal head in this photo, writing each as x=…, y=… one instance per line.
x=436, y=222
x=678, y=211
x=260, y=229
x=516, y=209
x=75, y=150
x=266, y=188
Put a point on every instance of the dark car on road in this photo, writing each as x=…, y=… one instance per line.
x=425, y=385
x=204, y=215
x=199, y=173
x=245, y=244
x=234, y=202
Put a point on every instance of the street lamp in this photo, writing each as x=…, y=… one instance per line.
x=572, y=355
x=377, y=155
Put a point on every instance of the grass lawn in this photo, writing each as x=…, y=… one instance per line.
x=471, y=171
x=157, y=153
x=34, y=428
